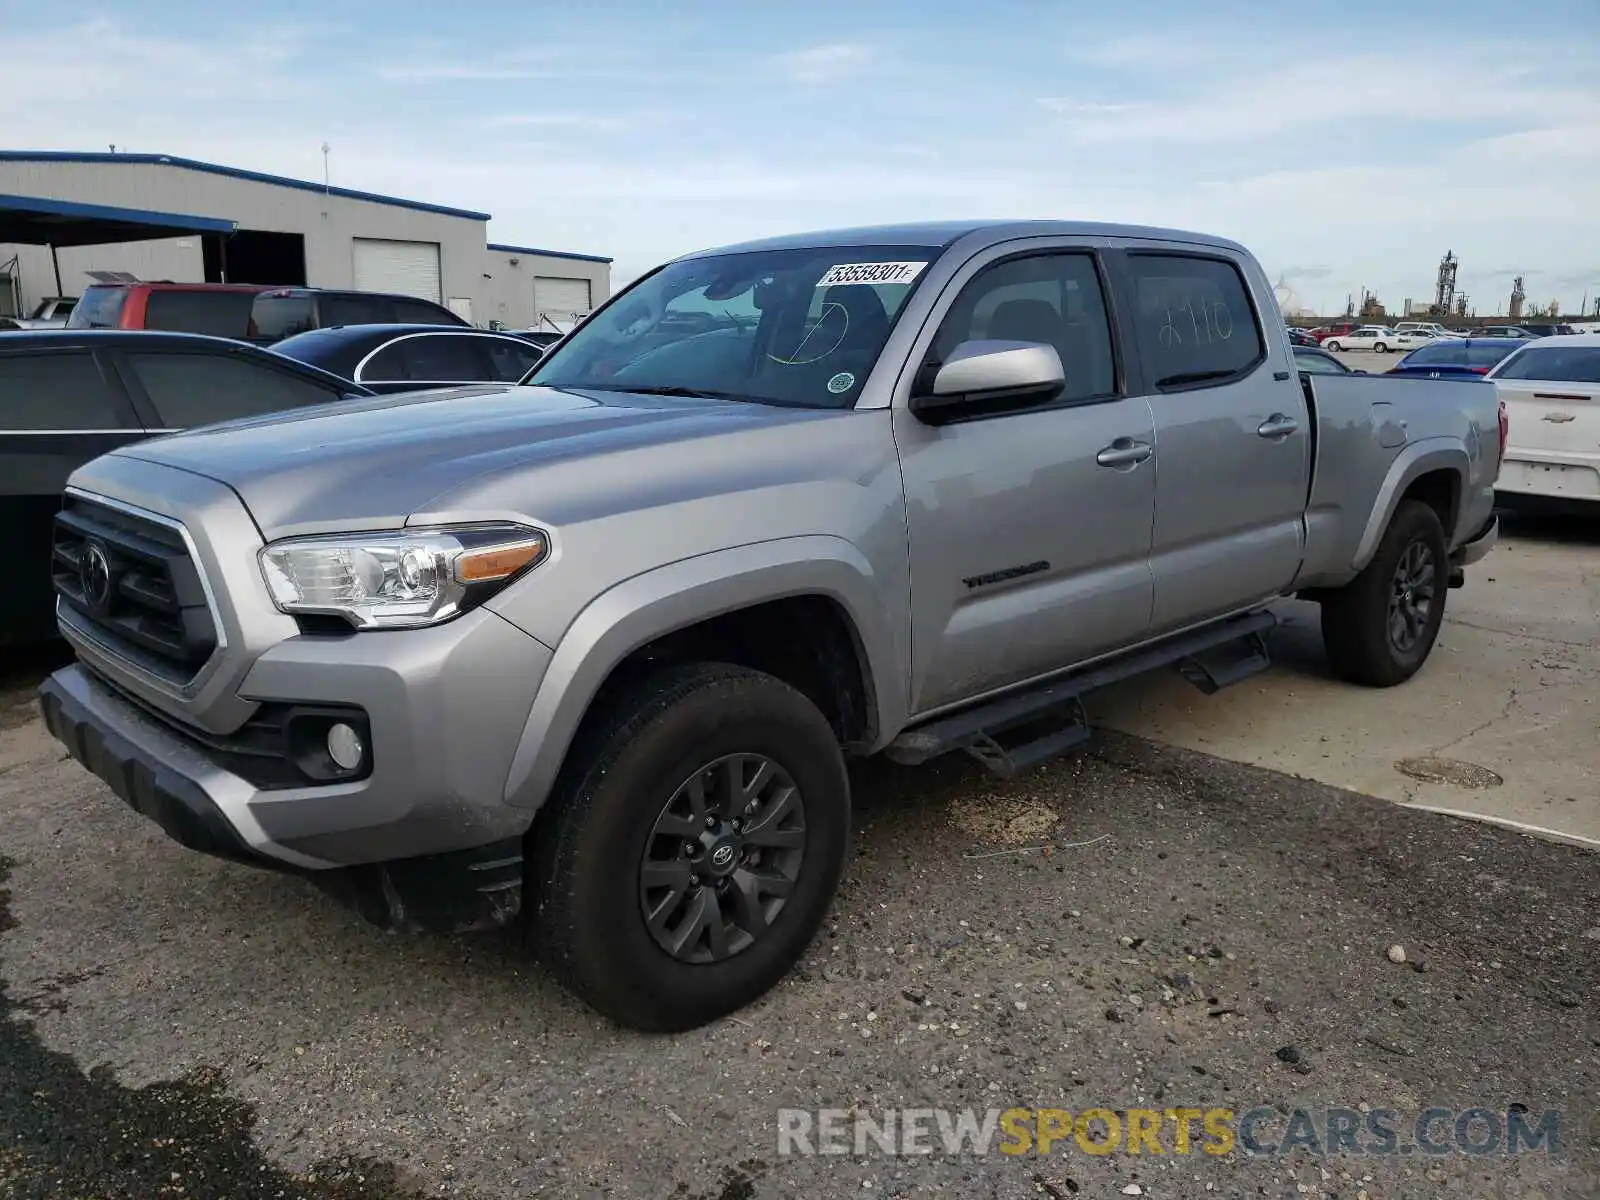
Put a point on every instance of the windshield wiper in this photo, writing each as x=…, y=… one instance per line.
x=1191, y=377
x=663, y=390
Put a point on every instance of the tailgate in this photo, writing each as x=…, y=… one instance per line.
x=1547, y=415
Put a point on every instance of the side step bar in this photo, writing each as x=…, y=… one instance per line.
x=1022, y=729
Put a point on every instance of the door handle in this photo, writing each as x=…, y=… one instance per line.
x=1124, y=452
x=1277, y=427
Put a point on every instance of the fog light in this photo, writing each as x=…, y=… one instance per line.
x=344, y=746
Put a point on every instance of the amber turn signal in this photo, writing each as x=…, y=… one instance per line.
x=498, y=562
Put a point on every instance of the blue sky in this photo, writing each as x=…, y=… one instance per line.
x=1348, y=144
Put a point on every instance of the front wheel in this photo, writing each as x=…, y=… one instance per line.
x=691, y=847
x=1334, y=346
x=1381, y=347
x=1379, y=628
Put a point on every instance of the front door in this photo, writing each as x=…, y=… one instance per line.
x=1233, y=435
x=1028, y=552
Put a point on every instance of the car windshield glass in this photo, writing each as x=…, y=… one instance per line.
x=800, y=327
x=1569, y=364
x=1487, y=354
x=100, y=308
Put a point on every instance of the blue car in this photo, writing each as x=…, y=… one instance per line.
x=1456, y=358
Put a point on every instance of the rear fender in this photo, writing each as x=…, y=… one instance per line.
x=648, y=606
x=1413, y=462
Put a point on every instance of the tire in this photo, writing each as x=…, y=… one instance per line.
x=1363, y=644
x=630, y=775
x=1332, y=345
x=1381, y=347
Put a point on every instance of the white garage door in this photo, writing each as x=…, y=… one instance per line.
x=560, y=299
x=406, y=268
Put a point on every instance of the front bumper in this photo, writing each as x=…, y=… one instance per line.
x=425, y=840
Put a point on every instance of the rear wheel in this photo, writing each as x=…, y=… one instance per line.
x=1379, y=628
x=692, y=846
x=1381, y=347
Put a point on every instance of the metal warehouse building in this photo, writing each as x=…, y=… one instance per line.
x=191, y=222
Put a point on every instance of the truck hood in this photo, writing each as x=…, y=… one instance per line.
x=374, y=463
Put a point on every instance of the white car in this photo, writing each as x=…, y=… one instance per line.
x=1551, y=391
x=1369, y=337
x=1423, y=331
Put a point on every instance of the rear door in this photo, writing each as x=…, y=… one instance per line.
x=1233, y=436
x=1552, y=398
x=58, y=409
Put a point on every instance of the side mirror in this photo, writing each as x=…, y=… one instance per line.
x=981, y=373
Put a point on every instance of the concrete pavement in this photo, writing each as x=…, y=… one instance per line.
x=1510, y=690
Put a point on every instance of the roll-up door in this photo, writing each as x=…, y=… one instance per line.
x=405, y=268
x=560, y=299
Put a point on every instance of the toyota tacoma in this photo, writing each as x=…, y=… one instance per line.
x=593, y=650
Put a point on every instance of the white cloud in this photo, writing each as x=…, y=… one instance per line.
x=1304, y=163
x=1068, y=107
x=826, y=63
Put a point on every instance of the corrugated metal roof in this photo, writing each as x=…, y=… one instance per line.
x=168, y=160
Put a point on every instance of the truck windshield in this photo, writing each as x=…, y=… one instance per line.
x=799, y=327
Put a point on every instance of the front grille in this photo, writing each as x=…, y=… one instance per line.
x=132, y=579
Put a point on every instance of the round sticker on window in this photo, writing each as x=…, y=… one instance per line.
x=841, y=383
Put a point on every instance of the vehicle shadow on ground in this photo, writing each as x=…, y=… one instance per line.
x=1552, y=524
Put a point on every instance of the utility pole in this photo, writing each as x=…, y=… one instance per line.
x=326, y=149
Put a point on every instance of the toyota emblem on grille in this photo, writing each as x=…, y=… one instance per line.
x=94, y=576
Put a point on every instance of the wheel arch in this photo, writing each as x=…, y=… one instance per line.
x=1433, y=471
x=693, y=609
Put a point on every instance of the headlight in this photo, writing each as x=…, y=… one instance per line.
x=398, y=580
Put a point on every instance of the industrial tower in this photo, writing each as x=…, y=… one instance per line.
x=1445, y=293
x=1517, y=298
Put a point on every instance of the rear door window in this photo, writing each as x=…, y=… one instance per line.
x=357, y=310
x=220, y=314
x=59, y=391
x=1426, y=356
x=197, y=389
x=1195, y=321
x=1487, y=356
x=429, y=358
x=277, y=317
x=99, y=308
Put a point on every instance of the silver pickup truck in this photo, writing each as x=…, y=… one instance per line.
x=596, y=648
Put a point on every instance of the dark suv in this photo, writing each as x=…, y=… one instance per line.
x=245, y=311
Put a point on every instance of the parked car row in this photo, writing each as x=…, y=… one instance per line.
x=67, y=397
x=246, y=311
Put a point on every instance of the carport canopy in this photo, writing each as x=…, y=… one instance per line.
x=41, y=221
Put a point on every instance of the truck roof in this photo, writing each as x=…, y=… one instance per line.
x=946, y=233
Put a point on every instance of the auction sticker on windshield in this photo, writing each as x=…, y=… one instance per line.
x=871, y=273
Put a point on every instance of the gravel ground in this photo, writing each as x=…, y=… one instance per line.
x=178, y=1026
